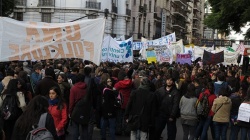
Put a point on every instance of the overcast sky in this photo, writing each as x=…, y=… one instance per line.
x=239, y=36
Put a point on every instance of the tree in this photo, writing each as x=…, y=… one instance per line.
x=228, y=15
x=7, y=7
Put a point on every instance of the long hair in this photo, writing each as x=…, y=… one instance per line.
x=64, y=77
x=190, y=90
x=12, y=87
x=36, y=107
x=60, y=104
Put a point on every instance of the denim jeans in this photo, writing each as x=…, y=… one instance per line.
x=202, y=128
x=220, y=130
x=104, y=124
x=245, y=132
x=188, y=131
x=234, y=131
x=160, y=123
x=138, y=135
x=75, y=131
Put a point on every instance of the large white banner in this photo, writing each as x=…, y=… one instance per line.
x=165, y=40
x=38, y=40
x=117, y=51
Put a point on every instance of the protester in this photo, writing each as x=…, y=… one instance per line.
x=221, y=108
x=36, y=76
x=140, y=110
x=31, y=116
x=64, y=87
x=168, y=98
x=17, y=99
x=189, y=117
x=58, y=110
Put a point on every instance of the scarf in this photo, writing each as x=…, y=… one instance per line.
x=53, y=102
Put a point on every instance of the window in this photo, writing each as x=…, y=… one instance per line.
x=149, y=5
x=133, y=24
x=46, y=17
x=19, y=16
x=148, y=29
x=139, y=26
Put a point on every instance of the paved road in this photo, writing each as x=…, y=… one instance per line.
x=97, y=136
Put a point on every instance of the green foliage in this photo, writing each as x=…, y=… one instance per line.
x=8, y=7
x=228, y=15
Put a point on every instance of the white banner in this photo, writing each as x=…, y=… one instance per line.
x=117, y=51
x=163, y=53
x=37, y=40
x=165, y=40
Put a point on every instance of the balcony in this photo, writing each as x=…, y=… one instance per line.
x=156, y=16
x=179, y=24
x=93, y=5
x=196, y=17
x=114, y=9
x=196, y=8
x=168, y=26
x=128, y=12
x=196, y=27
x=180, y=12
x=181, y=2
x=20, y=3
x=46, y=3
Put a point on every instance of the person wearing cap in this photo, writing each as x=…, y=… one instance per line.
x=168, y=98
x=46, y=83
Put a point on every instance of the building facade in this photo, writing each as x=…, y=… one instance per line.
x=118, y=12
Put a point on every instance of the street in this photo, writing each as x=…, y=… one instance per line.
x=97, y=136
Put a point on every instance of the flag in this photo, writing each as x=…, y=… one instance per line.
x=230, y=49
x=210, y=58
x=241, y=47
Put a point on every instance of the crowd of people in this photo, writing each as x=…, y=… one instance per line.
x=133, y=99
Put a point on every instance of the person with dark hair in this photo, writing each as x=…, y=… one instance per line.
x=245, y=126
x=64, y=85
x=46, y=83
x=58, y=110
x=198, y=86
x=205, y=122
x=12, y=92
x=77, y=92
x=7, y=78
x=73, y=74
x=220, y=83
x=141, y=104
x=168, y=98
x=221, y=108
x=36, y=76
x=30, y=117
x=189, y=117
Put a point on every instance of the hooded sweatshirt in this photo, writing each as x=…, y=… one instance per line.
x=222, y=107
x=124, y=87
x=78, y=91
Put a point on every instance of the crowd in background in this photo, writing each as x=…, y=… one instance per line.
x=134, y=99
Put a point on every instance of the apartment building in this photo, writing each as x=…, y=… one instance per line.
x=60, y=11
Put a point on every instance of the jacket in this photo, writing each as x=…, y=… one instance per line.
x=44, y=86
x=142, y=97
x=78, y=91
x=168, y=102
x=211, y=98
x=187, y=108
x=218, y=85
x=60, y=117
x=221, y=108
x=49, y=125
x=108, y=109
x=124, y=87
x=35, y=78
x=5, y=81
x=21, y=99
x=65, y=89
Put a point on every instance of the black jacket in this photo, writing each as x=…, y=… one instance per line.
x=108, y=103
x=139, y=98
x=49, y=125
x=168, y=102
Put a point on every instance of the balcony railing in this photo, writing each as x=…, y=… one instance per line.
x=179, y=23
x=47, y=3
x=196, y=26
x=196, y=7
x=128, y=12
x=196, y=17
x=114, y=9
x=93, y=5
x=20, y=2
x=183, y=2
x=180, y=11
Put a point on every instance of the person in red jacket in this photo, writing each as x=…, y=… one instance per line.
x=58, y=110
x=124, y=86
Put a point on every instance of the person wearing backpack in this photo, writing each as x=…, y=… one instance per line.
x=221, y=108
x=58, y=110
x=189, y=117
x=30, y=118
x=77, y=93
x=12, y=102
x=206, y=115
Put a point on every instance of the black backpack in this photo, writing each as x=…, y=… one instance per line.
x=10, y=109
x=202, y=106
